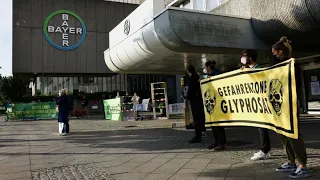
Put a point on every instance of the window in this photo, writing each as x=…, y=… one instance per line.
x=199, y=5
x=118, y=82
x=104, y=79
x=76, y=83
x=55, y=87
x=113, y=82
x=50, y=85
x=122, y=85
x=38, y=86
x=109, y=86
x=44, y=85
x=70, y=82
x=100, y=84
x=211, y=4
x=125, y=76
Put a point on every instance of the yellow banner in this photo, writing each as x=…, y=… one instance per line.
x=263, y=97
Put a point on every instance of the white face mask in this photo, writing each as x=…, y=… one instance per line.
x=243, y=60
x=59, y=93
x=205, y=71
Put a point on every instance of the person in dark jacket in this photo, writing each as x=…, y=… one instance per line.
x=249, y=59
x=196, y=102
x=63, y=103
x=294, y=148
x=219, y=134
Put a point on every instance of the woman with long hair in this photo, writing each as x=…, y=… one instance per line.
x=195, y=98
x=294, y=148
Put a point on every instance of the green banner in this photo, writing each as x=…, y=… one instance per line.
x=41, y=110
x=112, y=109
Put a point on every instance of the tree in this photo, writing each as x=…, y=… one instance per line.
x=12, y=89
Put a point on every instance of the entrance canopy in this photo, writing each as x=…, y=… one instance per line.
x=162, y=40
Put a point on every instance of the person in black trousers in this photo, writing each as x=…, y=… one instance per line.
x=295, y=148
x=219, y=134
x=249, y=60
x=196, y=102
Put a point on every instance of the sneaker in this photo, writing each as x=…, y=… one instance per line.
x=260, y=156
x=300, y=173
x=286, y=167
x=63, y=134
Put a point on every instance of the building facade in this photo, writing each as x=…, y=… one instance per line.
x=172, y=34
x=124, y=45
x=59, y=44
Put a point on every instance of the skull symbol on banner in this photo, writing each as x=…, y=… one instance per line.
x=210, y=101
x=276, y=95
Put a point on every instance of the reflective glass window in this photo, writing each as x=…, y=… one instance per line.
x=55, y=85
x=118, y=82
x=104, y=81
x=113, y=82
x=109, y=85
x=198, y=4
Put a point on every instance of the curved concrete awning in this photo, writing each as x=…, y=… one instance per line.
x=166, y=42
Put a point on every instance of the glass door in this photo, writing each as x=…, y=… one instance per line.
x=311, y=75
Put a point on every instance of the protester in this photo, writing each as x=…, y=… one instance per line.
x=118, y=95
x=64, y=104
x=218, y=132
x=294, y=148
x=135, y=99
x=249, y=59
x=195, y=98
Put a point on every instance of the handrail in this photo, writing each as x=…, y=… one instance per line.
x=307, y=57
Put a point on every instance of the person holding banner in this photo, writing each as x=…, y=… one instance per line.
x=294, y=148
x=196, y=102
x=249, y=58
x=219, y=134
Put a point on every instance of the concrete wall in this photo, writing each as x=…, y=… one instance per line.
x=234, y=8
x=33, y=54
x=297, y=19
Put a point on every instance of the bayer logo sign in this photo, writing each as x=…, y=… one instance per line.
x=64, y=30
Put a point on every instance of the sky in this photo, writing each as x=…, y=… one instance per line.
x=6, y=37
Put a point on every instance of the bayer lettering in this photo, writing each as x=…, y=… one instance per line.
x=65, y=30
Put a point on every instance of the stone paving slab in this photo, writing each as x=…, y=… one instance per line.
x=146, y=150
x=80, y=171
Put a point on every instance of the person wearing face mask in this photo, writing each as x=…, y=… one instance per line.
x=294, y=148
x=219, y=134
x=209, y=69
x=249, y=59
x=195, y=98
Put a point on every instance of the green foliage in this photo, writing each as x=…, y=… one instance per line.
x=12, y=89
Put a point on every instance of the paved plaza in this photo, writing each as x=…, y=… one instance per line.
x=100, y=149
